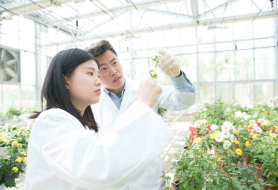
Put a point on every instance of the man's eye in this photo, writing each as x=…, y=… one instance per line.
x=115, y=62
x=103, y=69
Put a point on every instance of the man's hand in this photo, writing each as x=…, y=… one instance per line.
x=169, y=64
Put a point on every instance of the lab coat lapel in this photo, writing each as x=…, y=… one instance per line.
x=107, y=101
x=129, y=96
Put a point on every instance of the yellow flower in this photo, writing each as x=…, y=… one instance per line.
x=197, y=140
x=234, y=139
x=24, y=153
x=239, y=126
x=212, y=136
x=25, y=160
x=219, y=159
x=236, y=142
x=28, y=139
x=237, y=132
x=14, y=143
x=19, y=159
x=254, y=136
x=15, y=169
x=238, y=151
x=6, y=141
x=19, y=145
x=273, y=135
x=247, y=143
x=266, y=123
x=244, y=138
x=231, y=151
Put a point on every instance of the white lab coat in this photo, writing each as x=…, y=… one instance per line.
x=106, y=113
x=62, y=155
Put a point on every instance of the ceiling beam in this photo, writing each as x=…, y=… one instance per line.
x=27, y=7
x=122, y=8
x=169, y=13
x=217, y=8
x=195, y=9
x=231, y=19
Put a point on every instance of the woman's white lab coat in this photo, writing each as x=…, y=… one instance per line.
x=62, y=155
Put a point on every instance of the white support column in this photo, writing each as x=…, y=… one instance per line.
x=38, y=62
x=132, y=67
x=198, y=70
x=276, y=47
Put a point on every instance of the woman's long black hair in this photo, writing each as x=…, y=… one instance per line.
x=54, y=88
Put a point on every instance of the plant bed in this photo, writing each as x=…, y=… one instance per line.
x=268, y=186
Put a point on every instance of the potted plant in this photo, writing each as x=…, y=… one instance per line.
x=14, y=159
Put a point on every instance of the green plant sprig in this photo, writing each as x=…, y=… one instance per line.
x=152, y=72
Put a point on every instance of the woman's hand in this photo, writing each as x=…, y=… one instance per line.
x=149, y=91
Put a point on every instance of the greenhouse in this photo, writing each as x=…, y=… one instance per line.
x=138, y=94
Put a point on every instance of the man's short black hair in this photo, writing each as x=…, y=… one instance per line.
x=100, y=47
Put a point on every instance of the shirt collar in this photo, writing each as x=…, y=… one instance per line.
x=108, y=92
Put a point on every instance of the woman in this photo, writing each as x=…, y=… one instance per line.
x=67, y=150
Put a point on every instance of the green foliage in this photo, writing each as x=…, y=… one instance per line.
x=161, y=111
x=152, y=72
x=13, y=112
x=15, y=140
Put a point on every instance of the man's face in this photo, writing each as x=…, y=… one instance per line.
x=110, y=72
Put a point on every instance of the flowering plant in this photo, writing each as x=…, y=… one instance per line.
x=15, y=140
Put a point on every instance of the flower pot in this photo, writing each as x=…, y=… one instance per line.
x=2, y=187
x=175, y=187
x=267, y=187
x=259, y=166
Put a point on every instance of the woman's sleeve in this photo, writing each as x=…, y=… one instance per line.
x=106, y=161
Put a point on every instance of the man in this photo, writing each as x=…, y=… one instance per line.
x=119, y=93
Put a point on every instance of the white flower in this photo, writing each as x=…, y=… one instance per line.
x=228, y=109
x=219, y=137
x=226, y=128
x=258, y=130
x=226, y=134
x=255, y=125
x=274, y=111
x=232, y=136
x=225, y=146
x=235, y=104
x=252, y=121
x=228, y=123
x=227, y=143
x=205, y=109
x=213, y=127
x=246, y=117
x=238, y=114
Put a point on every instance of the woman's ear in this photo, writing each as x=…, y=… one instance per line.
x=67, y=82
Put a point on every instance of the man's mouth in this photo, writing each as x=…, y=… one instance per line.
x=117, y=79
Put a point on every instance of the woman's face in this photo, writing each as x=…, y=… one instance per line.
x=84, y=85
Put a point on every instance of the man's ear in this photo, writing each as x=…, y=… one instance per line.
x=67, y=82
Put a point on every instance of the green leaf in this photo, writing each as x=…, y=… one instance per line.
x=154, y=76
x=236, y=183
x=164, y=182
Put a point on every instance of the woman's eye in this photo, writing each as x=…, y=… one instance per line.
x=91, y=73
x=103, y=69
